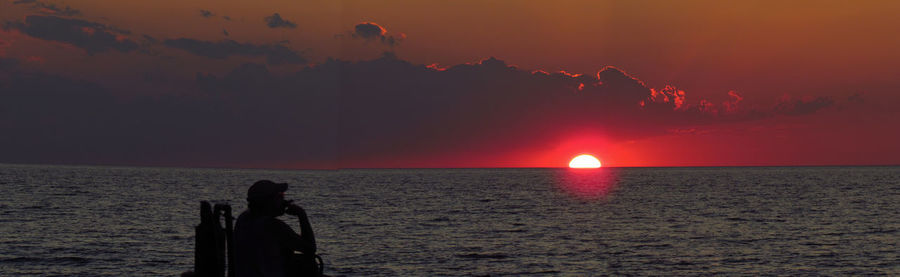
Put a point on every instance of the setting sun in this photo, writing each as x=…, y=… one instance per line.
x=584, y=161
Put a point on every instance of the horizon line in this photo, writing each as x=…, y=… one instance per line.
x=420, y=168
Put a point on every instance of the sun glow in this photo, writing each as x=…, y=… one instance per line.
x=584, y=161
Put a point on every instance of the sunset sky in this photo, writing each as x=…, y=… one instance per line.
x=338, y=84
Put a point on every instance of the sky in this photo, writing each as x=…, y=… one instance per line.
x=411, y=84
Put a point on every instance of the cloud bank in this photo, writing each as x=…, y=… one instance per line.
x=382, y=112
x=371, y=31
x=282, y=122
x=49, y=8
x=275, y=21
x=276, y=54
x=90, y=36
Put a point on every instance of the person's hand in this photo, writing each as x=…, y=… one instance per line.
x=294, y=209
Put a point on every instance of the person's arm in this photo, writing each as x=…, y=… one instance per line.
x=306, y=231
x=290, y=239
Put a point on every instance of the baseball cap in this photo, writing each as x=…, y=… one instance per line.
x=265, y=188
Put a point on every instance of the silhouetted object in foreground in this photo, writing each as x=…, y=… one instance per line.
x=269, y=245
x=265, y=245
x=209, y=252
x=211, y=240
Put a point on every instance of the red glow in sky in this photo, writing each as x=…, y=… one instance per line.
x=330, y=84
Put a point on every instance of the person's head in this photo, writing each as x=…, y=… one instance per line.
x=266, y=197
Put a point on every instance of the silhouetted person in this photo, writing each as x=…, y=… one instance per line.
x=264, y=245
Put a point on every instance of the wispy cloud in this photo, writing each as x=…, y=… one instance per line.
x=371, y=31
x=49, y=8
x=275, y=53
x=91, y=36
x=275, y=21
x=206, y=13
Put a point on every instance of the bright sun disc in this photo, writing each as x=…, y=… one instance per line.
x=584, y=161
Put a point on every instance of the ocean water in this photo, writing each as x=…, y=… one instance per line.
x=121, y=221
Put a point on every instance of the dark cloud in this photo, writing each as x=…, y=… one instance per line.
x=274, y=121
x=371, y=31
x=3, y=45
x=149, y=39
x=275, y=53
x=54, y=10
x=858, y=97
x=380, y=112
x=799, y=106
x=206, y=14
x=227, y=18
x=8, y=63
x=275, y=21
x=90, y=36
x=487, y=106
x=49, y=8
x=147, y=46
x=391, y=108
x=225, y=32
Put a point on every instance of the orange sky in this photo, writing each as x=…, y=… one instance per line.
x=705, y=47
x=762, y=50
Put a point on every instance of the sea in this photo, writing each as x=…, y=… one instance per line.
x=132, y=221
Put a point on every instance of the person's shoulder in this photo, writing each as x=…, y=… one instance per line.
x=246, y=215
x=254, y=218
x=274, y=223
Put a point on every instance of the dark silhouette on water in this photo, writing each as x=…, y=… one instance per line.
x=259, y=244
x=265, y=245
x=210, y=241
x=209, y=256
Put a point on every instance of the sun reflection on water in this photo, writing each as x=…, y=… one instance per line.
x=587, y=184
